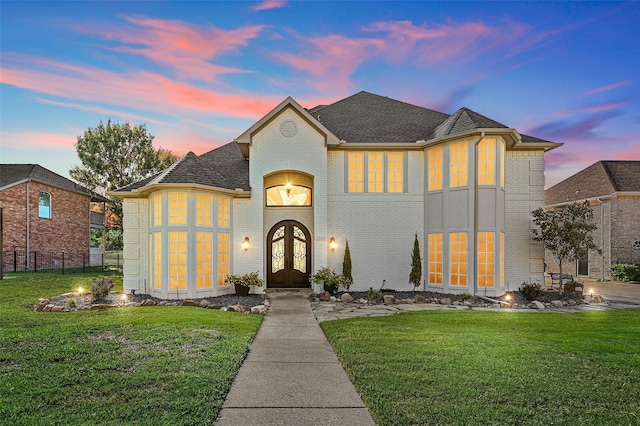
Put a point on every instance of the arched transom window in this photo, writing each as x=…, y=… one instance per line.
x=288, y=189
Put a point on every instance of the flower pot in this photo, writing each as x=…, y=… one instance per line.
x=330, y=289
x=241, y=290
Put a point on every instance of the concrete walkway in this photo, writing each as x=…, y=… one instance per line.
x=291, y=375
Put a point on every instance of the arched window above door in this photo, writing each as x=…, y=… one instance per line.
x=288, y=189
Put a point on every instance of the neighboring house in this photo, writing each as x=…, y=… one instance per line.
x=367, y=169
x=44, y=212
x=613, y=190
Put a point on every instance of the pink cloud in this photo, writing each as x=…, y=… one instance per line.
x=38, y=140
x=269, y=4
x=607, y=88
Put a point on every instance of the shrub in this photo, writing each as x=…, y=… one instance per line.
x=100, y=287
x=531, y=291
x=466, y=297
x=625, y=272
x=570, y=287
x=246, y=280
x=373, y=295
x=72, y=303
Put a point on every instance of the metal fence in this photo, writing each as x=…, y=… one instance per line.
x=61, y=262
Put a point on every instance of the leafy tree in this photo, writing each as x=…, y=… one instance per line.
x=566, y=232
x=114, y=155
x=346, y=264
x=415, y=277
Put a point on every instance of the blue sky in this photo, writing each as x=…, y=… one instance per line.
x=200, y=73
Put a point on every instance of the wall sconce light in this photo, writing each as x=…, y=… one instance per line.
x=333, y=244
x=245, y=243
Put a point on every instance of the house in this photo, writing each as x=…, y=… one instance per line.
x=284, y=198
x=613, y=190
x=44, y=215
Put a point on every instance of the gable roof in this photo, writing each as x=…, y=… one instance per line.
x=14, y=174
x=598, y=180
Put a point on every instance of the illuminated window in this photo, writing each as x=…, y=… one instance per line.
x=487, y=162
x=394, y=171
x=458, y=258
x=486, y=259
x=435, y=259
x=156, y=259
x=223, y=258
x=288, y=195
x=177, y=208
x=458, y=165
x=356, y=171
x=177, y=260
x=502, y=259
x=375, y=164
x=502, y=149
x=44, y=205
x=204, y=247
x=223, y=212
x=203, y=209
x=156, y=209
x=435, y=169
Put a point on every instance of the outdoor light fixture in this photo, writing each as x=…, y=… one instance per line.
x=591, y=293
x=333, y=244
x=245, y=243
x=508, y=297
x=80, y=290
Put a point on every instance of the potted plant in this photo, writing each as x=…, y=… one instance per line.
x=326, y=277
x=242, y=283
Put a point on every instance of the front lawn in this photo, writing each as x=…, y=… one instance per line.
x=152, y=365
x=471, y=367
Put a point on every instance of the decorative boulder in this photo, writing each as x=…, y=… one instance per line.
x=536, y=305
x=420, y=299
x=445, y=301
x=260, y=310
x=389, y=299
x=324, y=296
x=148, y=302
x=346, y=298
x=204, y=303
x=40, y=304
x=237, y=308
x=189, y=302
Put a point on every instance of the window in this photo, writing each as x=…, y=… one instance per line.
x=487, y=162
x=177, y=260
x=458, y=165
x=223, y=258
x=395, y=172
x=356, y=171
x=435, y=259
x=375, y=165
x=223, y=212
x=204, y=244
x=44, y=205
x=435, y=169
x=203, y=209
x=156, y=207
x=177, y=208
x=288, y=195
x=502, y=259
x=156, y=260
x=458, y=259
x=486, y=259
x=502, y=149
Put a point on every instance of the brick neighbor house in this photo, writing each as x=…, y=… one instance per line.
x=284, y=198
x=613, y=189
x=46, y=214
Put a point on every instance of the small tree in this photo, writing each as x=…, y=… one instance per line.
x=346, y=265
x=415, y=277
x=567, y=232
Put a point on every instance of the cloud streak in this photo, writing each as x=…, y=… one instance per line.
x=269, y=4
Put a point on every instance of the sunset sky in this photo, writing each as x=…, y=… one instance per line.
x=200, y=73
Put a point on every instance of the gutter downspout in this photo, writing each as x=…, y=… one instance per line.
x=475, y=214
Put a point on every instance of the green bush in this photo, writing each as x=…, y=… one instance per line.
x=72, y=303
x=531, y=291
x=625, y=272
x=466, y=297
x=373, y=295
x=101, y=286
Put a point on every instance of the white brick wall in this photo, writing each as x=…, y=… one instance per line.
x=136, y=244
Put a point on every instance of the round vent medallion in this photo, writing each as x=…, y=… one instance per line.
x=288, y=129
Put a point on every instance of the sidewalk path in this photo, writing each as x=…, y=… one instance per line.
x=291, y=375
x=628, y=293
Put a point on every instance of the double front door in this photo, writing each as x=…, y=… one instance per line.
x=289, y=255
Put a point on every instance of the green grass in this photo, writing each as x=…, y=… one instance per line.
x=153, y=365
x=461, y=368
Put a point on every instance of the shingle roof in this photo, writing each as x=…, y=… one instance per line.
x=462, y=121
x=625, y=175
x=11, y=174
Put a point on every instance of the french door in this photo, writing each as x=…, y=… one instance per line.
x=289, y=255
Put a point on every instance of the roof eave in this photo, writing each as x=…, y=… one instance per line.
x=145, y=190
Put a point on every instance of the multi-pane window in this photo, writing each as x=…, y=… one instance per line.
x=435, y=169
x=177, y=260
x=177, y=208
x=459, y=163
x=458, y=258
x=223, y=257
x=395, y=171
x=156, y=259
x=435, y=259
x=44, y=205
x=223, y=212
x=375, y=172
x=487, y=162
x=203, y=209
x=486, y=259
x=502, y=258
x=156, y=209
x=502, y=149
x=204, y=245
x=356, y=171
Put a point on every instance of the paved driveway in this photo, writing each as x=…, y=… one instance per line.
x=614, y=291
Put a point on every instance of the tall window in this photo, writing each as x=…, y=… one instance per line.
x=502, y=258
x=395, y=171
x=502, y=149
x=203, y=209
x=156, y=259
x=375, y=171
x=44, y=205
x=156, y=209
x=435, y=259
x=435, y=169
x=177, y=208
x=458, y=258
x=177, y=260
x=223, y=257
x=223, y=212
x=486, y=259
x=356, y=171
x=204, y=244
x=487, y=162
x=459, y=163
